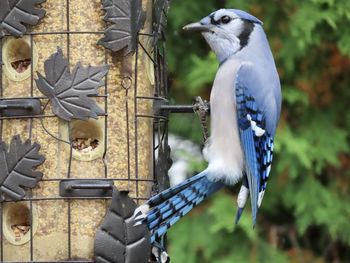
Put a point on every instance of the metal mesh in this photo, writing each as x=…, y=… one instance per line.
x=133, y=116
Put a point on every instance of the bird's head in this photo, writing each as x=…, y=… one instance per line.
x=227, y=31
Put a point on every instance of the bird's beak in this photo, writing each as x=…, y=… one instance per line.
x=196, y=27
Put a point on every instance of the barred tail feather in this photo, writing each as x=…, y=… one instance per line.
x=168, y=193
x=252, y=171
x=209, y=188
x=169, y=206
x=192, y=195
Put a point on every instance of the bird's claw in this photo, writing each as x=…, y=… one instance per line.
x=201, y=108
x=200, y=105
x=140, y=214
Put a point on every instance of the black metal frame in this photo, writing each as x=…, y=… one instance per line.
x=160, y=127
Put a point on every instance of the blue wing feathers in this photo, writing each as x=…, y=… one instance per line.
x=247, y=138
x=258, y=150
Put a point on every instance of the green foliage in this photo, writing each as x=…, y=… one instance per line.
x=203, y=72
x=187, y=126
x=305, y=215
x=209, y=234
x=328, y=208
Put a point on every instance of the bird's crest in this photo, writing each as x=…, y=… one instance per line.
x=246, y=16
x=241, y=14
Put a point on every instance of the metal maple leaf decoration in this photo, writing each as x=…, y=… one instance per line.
x=118, y=240
x=127, y=18
x=15, y=13
x=17, y=168
x=70, y=92
x=160, y=8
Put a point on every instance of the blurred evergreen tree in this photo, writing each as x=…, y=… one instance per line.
x=305, y=216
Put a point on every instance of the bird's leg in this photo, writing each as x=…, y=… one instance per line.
x=201, y=108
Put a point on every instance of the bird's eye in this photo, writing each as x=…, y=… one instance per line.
x=225, y=19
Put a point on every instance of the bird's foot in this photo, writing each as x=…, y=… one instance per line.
x=140, y=214
x=201, y=108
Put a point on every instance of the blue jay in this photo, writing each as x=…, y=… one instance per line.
x=245, y=105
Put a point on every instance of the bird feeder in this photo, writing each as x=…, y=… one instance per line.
x=80, y=82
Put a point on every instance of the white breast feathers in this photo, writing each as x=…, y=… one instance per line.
x=224, y=152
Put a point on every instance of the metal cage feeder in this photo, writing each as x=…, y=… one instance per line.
x=78, y=141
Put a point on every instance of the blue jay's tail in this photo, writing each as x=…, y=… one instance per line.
x=165, y=209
